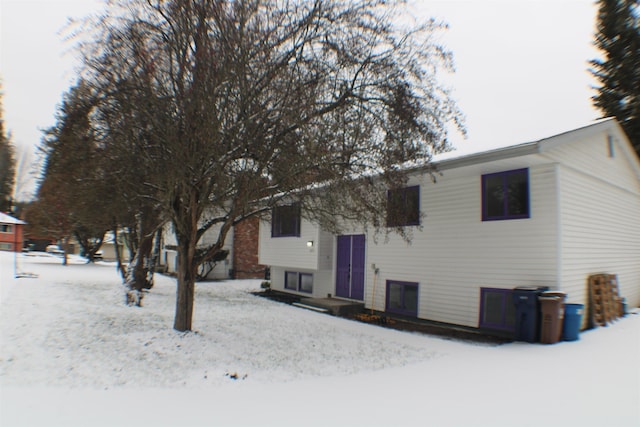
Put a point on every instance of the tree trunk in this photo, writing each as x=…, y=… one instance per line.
x=155, y=257
x=116, y=247
x=186, y=285
x=138, y=271
x=65, y=249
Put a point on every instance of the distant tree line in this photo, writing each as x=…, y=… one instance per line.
x=7, y=166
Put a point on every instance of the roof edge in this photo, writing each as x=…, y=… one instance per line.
x=540, y=145
x=8, y=219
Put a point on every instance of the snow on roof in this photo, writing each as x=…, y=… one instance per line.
x=8, y=219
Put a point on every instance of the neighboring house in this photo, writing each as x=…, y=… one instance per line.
x=544, y=213
x=108, y=247
x=241, y=242
x=11, y=233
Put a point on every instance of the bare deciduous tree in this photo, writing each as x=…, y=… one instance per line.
x=245, y=104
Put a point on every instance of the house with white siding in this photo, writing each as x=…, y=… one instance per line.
x=544, y=213
x=241, y=245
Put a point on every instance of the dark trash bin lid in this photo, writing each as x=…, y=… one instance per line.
x=554, y=294
x=531, y=288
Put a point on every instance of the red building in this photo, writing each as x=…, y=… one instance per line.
x=11, y=233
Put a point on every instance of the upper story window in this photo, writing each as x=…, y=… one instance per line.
x=505, y=195
x=5, y=228
x=403, y=207
x=285, y=221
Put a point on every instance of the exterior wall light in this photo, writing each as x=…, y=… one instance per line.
x=310, y=244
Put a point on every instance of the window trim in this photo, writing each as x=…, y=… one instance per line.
x=298, y=286
x=403, y=311
x=405, y=191
x=505, y=215
x=276, y=228
x=300, y=276
x=507, y=298
x=286, y=280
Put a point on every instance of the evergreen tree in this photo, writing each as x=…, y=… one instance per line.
x=618, y=72
x=7, y=166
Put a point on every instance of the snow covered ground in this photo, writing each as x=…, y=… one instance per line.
x=73, y=355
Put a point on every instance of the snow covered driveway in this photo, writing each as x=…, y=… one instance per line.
x=73, y=354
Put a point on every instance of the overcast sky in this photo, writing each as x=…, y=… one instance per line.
x=521, y=65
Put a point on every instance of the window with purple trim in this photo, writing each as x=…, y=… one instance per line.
x=402, y=297
x=403, y=206
x=285, y=221
x=301, y=282
x=291, y=280
x=505, y=195
x=497, y=310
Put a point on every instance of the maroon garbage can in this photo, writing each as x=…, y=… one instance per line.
x=552, y=316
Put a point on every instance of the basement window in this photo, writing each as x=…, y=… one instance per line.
x=402, y=297
x=497, y=310
x=300, y=282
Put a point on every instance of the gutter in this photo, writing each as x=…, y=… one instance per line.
x=487, y=156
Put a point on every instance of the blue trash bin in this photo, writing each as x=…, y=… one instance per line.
x=525, y=300
x=572, y=321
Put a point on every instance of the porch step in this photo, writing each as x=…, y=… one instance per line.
x=310, y=307
x=334, y=306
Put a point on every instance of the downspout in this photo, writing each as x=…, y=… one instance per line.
x=376, y=271
x=559, y=237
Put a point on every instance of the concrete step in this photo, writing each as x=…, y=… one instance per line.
x=335, y=306
x=310, y=307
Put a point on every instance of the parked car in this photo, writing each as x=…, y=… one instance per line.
x=55, y=250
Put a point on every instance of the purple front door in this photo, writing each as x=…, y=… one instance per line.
x=350, y=267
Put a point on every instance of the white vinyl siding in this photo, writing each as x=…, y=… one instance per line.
x=590, y=156
x=456, y=253
x=293, y=254
x=322, y=281
x=584, y=219
x=289, y=251
x=600, y=211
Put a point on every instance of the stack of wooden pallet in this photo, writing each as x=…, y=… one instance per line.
x=605, y=303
